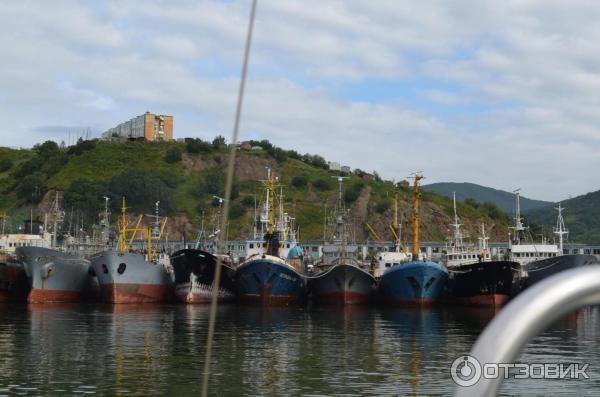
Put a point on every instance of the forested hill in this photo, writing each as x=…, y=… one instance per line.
x=185, y=177
x=482, y=194
x=581, y=216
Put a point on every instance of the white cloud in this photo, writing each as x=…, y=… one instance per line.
x=503, y=96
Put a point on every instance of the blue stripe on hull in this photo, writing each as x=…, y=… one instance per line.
x=416, y=282
x=267, y=281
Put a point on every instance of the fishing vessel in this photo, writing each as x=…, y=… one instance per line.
x=474, y=278
x=127, y=276
x=13, y=279
x=195, y=269
x=539, y=261
x=418, y=281
x=386, y=259
x=265, y=277
x=339, y=277
x=53, y=274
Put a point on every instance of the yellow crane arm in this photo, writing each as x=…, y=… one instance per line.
x=374, y=233
x=134, y=230
x=162, y=228
x=397, y=239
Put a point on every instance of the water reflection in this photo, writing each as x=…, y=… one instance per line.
x=158, y=349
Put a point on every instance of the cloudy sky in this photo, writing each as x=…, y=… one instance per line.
x=504, y=94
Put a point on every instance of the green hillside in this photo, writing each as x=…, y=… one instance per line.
x=503, y=200
x=185, y=177
x=581, y=215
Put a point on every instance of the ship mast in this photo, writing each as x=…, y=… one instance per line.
x=458, y=240
x=415, y=218
x=340, y=223
x=122, y=227
x=560, y=229
x=105, y=222
x=398, y=234
x=57, y=216
x=154, y=234
x=216, y=230
x=484, y=242
x=518, y=227
x=268, y=215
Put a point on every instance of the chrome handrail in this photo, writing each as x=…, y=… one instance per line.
x=528, y=314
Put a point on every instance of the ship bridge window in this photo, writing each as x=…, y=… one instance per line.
x=251, y=245
x=388, y=265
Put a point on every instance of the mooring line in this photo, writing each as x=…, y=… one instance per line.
x=225, y=215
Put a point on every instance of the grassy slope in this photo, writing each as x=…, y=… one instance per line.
x=307, y=203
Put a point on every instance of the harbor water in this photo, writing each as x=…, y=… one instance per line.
x=339, y=351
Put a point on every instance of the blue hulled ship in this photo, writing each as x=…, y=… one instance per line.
x=418, y=281
x=413, y=282
x=265, y=277
x=269, y=280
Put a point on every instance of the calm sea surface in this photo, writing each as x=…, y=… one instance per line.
x=150, y=350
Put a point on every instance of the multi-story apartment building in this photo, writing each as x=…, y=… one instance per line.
x=148, y=126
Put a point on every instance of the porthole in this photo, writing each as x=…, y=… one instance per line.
x=121, y=268
x=104, y=269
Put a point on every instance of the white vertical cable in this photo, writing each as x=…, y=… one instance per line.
x=224, y=218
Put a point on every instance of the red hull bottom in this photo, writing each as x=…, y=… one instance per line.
x=343, y=298
x=43, y=295
x=483, y=300
x=134, y=293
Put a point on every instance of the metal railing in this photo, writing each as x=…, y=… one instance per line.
x=528, y=314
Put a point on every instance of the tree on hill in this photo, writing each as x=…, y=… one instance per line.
x=173, y=155
x=197, y=145
x=5, y=165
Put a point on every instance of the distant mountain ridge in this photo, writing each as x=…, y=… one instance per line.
x=503, y=200
x=581, y=215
